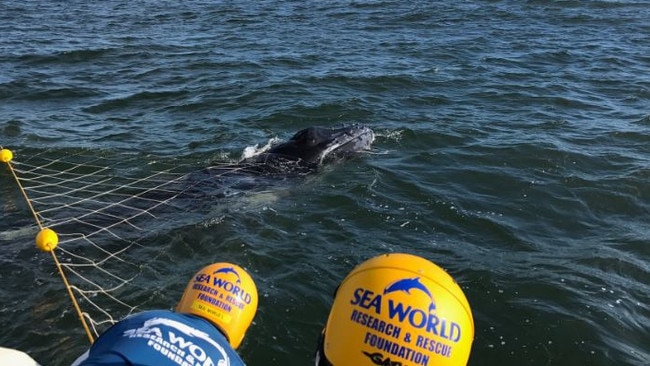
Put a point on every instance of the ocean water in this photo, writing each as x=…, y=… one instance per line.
x=513, y=149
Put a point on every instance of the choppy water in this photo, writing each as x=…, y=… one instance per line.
x=513, y=149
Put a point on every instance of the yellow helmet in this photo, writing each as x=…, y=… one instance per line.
x=397, y=309
x=225, y=295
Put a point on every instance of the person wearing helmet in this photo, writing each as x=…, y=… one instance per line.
x=397, y=309
x=209, y=323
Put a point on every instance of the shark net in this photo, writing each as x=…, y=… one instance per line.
x=95, y=215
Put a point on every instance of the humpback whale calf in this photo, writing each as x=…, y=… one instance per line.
x=310, y=148
x=303, y=154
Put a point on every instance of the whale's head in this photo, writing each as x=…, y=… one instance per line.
x=314, y=146
x=318, y=145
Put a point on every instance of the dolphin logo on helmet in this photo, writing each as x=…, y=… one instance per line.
x=409, y=284
x=228, y=270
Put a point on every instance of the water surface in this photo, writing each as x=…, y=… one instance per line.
x=513, y=150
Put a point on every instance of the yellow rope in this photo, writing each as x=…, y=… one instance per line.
x=74, y=301
x=22, y=190
x=56, y=260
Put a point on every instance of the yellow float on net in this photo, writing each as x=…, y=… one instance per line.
x=47, y=240
x=6, y=155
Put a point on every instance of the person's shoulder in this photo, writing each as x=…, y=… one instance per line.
x=167, y=318
x=148, y=315
x=152, y=314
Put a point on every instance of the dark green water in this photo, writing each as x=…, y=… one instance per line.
x=513, y=149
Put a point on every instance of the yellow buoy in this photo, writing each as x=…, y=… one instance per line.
x=47, y=240
x=6, y=155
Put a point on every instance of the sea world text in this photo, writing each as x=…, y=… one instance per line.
x=415, y=317
x=234, y=290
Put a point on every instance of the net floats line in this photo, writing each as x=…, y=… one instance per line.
x=46, y=239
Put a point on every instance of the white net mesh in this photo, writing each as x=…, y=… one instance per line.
x=102, y=208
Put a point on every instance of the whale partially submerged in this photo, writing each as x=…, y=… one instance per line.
x=305, y=153
x=311, y=148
